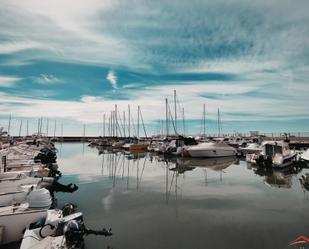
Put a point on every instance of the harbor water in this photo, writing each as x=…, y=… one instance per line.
x=151, y=202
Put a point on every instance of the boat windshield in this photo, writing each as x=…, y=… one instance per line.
x=272, y=149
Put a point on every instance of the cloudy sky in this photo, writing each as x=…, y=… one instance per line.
x=73, y=60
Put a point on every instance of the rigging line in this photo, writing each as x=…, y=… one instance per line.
x=121, y=122
x=132, y=124
x=179, y=106
x=171, y=116
x=169, y=192
x=140, y=179
x=118, y=123
x=143, y=123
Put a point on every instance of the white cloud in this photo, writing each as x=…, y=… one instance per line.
x=6, y=81
x=12, y=47
x=132, y=85
x=112, y=78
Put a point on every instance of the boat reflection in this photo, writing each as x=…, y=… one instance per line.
x=304, y=183
x=216, y=164
x=278, y=178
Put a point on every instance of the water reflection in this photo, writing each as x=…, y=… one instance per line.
x=156, y=202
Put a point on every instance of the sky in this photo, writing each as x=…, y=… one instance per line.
x=73, y=60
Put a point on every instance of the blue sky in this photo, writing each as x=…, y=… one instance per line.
x=73, y=60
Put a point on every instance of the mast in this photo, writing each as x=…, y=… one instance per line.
x=219, y=133
x=41, y=124
x=116, y=121
x=129, y=112
x=38, y=130
x=55, y=127
x=9, y=125
x=47, y=127
x=104, y=125
x=124, y=123
x=27, y=127
x=175, y=109
x=20, y=126
x=84, y=132
x=166, y=115
x=62, y=131
x=183, y=121
x=204, y=120
x=112, y=123
x=138, y=121
x=109, y=127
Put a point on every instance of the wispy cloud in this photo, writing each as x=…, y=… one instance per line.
x=13, y=47
x=112, y=78
x=46, y=79
x=176, y=45
x=6, y=81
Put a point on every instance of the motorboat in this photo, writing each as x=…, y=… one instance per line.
x=274, y=154
x=211, y=149
x=15, y=187
x=15, y=218
x=251, y=148
x=58, y=230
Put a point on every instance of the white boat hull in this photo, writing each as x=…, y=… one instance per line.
x=15, y=223
x=211, y=153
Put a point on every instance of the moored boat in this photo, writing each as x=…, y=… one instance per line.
x=211, y=149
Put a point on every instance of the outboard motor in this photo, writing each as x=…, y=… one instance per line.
x=53, y=170
x=74, y=232
x=68, y=209
x=268, y=162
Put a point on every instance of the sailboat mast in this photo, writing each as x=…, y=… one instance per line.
x=124, y=123
x=61, y=131
x=166, y=115
x=175, y=109
x=20, y=126
x=183, y=121
x=129, y=113
x=116, y=120
x=55, y=126
x=41, y=124
x=138, y=121
x=104, y=125
x=204, y=120
x=9, y=125
x=219, y=133
x=27, y=127
x=47, y=127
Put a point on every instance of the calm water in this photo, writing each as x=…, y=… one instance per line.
x=203, y=204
